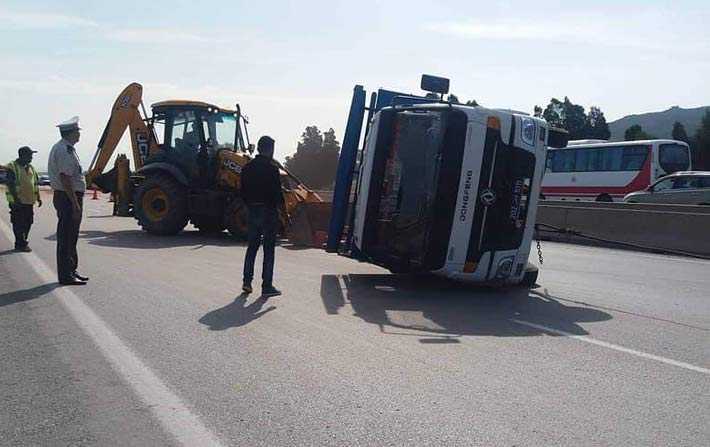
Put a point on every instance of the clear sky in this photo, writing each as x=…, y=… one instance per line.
x=292, y=64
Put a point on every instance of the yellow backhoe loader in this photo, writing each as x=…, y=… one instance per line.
x=194, y=173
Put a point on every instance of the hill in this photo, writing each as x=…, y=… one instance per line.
x=659, y=124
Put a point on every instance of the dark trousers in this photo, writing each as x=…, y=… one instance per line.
x=262, y=226
x=67, y=235
x=21, y=216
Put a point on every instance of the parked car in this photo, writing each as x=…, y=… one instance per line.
x=43, y=180
x=684, y=188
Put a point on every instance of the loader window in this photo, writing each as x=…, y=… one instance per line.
x=220, y=129
x=185, y=135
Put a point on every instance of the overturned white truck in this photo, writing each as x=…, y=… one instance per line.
x=439, y=187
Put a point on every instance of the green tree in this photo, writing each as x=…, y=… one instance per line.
x=567, y=115
x=635, y=133
x=679, y=132
x=701, y=144
x=330, y=142
x=316, y=158
x=537, y=111
x=472, y=102
x=595, y=125
x=311, y=140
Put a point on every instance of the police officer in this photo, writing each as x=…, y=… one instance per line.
x=67, y=180
x=261, y=189
x=22, y=193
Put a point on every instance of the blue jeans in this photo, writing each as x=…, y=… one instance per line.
x=262, y=226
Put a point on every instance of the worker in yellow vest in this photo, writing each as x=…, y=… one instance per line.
x=22, y=193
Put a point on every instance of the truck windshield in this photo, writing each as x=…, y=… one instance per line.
x=410, y=180
x=220, y=129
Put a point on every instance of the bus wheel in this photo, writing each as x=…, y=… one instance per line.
x=604, y=198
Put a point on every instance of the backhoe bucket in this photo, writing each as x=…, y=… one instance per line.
x=309, y=224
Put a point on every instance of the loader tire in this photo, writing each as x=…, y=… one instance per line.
x=161, y=205
x=236, y=219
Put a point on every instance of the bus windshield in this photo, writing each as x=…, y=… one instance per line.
x=673, y=157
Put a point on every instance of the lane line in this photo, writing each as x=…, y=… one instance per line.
x=172, y=413
x=604, y=344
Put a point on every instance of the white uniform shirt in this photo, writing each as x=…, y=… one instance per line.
x=64, y=160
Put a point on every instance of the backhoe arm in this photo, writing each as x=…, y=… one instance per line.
x=124, y=114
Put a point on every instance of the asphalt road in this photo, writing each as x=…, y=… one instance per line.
x=161, y=348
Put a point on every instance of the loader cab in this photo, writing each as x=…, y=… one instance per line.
x=195, y=132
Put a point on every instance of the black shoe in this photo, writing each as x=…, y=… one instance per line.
x=247, y=288
x=24, y=249
x=71, y=282
x=80, y=277
x=270, y=291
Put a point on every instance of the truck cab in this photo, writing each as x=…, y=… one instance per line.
x=448, y=189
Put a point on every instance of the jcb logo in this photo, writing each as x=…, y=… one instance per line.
x=232, y=166
x=143, y=146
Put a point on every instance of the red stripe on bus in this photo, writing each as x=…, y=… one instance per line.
x=641, y=181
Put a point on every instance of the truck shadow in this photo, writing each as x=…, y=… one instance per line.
x=443, y=311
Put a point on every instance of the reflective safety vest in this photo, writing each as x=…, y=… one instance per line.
x=26, y=184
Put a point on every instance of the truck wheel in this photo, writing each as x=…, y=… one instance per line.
x=236, y=219
x=529, y=277
x=604, y=198
x=161, y=205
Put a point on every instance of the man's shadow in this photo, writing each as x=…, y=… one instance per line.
x=19, y=296
x=236, y=313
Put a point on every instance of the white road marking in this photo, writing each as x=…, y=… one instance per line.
x=168, y=408
x=604, y=344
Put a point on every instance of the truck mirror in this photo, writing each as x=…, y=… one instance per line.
x=557, y=138
x=435, y=84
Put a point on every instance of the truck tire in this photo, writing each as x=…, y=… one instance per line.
x=529, y=277
x=236, y=219
x=161, y=205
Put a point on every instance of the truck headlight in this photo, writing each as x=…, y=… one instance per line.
x=527, y=131
x=505, y=266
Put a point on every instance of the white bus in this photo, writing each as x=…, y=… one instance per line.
x=607, y=171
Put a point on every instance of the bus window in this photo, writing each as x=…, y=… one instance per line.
x=562, y=161
x=673, y=157
x=612, y=158
x=581, y=160
x=633, y=158
x=595, y=160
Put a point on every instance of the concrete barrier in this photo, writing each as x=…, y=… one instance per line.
x=666, y=227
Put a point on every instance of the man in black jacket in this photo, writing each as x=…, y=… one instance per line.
x=261, y=188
